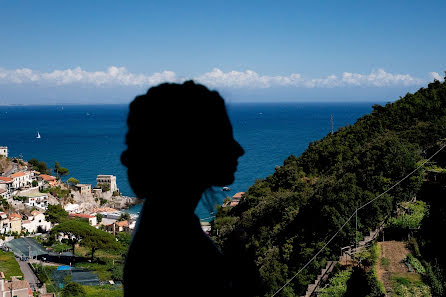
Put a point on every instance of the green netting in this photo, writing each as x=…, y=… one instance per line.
x=25, y=246
x=77, y=275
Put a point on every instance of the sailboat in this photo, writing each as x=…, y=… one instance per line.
x=38, y=134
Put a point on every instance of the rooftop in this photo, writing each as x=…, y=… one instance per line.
x=6, y=179
x=122, y=224
x=80, y=215
x=48, y=177
x=33, y=195
x=238, y=195
x=18, y=174
x=15, y=216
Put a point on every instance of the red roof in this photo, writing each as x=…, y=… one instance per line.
x=238, y=195
x=18, y=174
x=6, y=179
x=15, y=215
x=80, y=215
x=123, y=224
x=48, y=177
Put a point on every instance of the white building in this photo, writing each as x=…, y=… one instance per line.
x=4, y=223
x=21, y=179
x=36, y=220
x=4, y=151
x=107, y=179
x=39, y=200
x=72, y=207
x=91, y=219
x=5, y=184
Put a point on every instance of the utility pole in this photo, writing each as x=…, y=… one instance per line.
x=331, y=122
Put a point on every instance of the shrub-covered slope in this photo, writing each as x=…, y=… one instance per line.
x=285, y=218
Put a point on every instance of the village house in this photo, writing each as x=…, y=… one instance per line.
x=3, y=193
x=39, y=200
x=84, y=189
x=36, y=222
x=116, y=227
x=6, y=184
x=4, y=223
x=91, y=219
x=21, y=179
x=15, y=223
x=48, y=179
x=4, y=151
x=235, y=199
x=107, y=179
x=14, y=287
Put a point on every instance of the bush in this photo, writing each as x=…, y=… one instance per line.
x=73, y=290
x=415, y=263
x=338, y=284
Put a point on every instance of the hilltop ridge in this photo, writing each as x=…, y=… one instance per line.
x=284, y=219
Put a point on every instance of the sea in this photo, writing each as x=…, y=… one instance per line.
x=88, y=139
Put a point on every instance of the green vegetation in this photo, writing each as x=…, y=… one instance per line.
x=409, y=285
x=60, y=171
x=20, y=198
x=104, y=186
x=72, y=181
x=416, y=264
x=411, y=216
x=9, y=265
x=39, y=166
x=124, y=217
x=385, y=262
x=55, y=214
x=338, y=284
x=106, y=290
x=58, y=192
x=73, y=290
x=88, y=236
x=284, y=219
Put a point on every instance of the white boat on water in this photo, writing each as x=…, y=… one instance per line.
x=38, y=135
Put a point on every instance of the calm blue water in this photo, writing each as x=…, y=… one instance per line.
x=88, y=140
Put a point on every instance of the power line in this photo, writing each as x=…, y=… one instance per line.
x=353, y=214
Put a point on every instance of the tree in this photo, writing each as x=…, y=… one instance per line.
x=81, y=232
x=99, y=217
x=60, y=171
x=73, y=290
x=72, y=181
x=96, y=239
x=39, y=166
x=74, y=229
x=55, y=214
x=124, y=217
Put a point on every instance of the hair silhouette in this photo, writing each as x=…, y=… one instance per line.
x=179, y=143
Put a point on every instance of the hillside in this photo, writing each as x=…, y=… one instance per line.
x=4, y=164
x=284, y=219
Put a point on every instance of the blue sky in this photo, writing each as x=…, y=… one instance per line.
x=109, y=51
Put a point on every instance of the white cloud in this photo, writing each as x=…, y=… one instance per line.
x=119, y=76
x=436, y=76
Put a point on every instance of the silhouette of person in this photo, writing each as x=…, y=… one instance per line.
x=179, y=143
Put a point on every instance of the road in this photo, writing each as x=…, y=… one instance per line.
x=29, y=274
x=12, y=170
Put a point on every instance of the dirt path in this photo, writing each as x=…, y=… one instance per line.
x=394, y=252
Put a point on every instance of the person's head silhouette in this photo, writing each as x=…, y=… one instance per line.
x=179, y=141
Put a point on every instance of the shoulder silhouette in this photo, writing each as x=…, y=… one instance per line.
x=179, y=143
